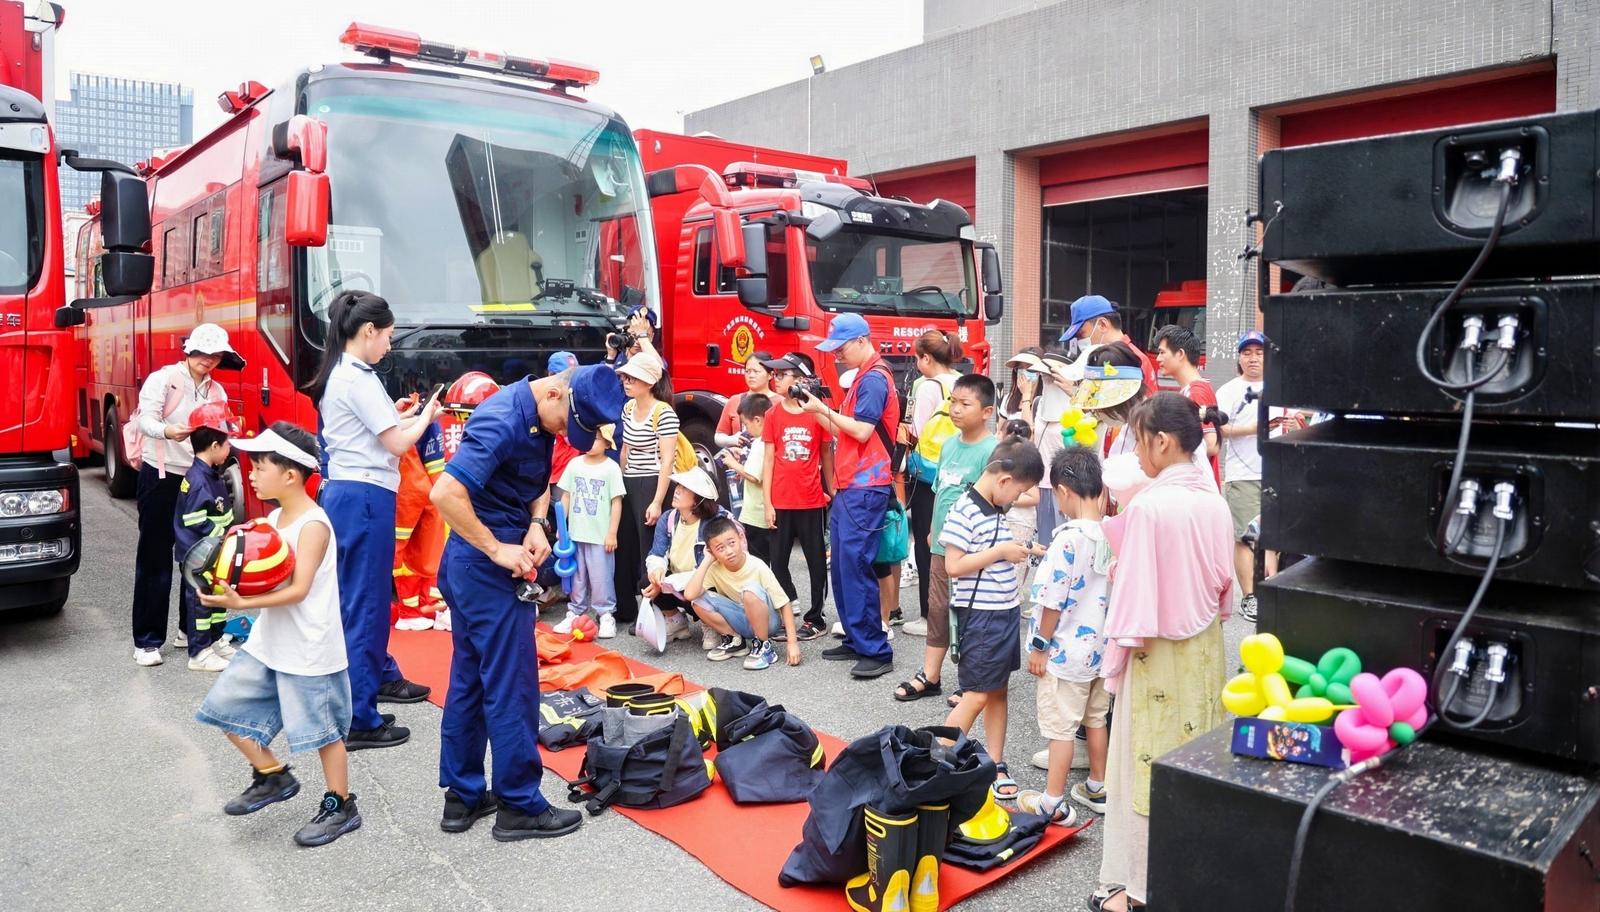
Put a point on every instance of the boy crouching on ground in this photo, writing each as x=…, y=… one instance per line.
x=736, y=594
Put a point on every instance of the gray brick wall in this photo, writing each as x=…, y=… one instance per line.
x=1085, y=68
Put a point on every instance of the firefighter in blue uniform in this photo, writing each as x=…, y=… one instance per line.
x=494, y=496
x=205, y=507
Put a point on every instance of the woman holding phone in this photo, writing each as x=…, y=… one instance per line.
x=364, y=434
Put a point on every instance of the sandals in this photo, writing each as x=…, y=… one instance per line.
x=908, y=691
x=954, y=699
x=1097, y=903
x=1005, y=788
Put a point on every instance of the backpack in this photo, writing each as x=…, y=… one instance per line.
x=133, y=438
x=664, y=768
x=685, y=458
x=938, y=429
x=765, y=754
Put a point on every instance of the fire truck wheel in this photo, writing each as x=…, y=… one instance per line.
x=121, y=480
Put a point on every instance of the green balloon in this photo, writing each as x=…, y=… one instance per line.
x=1339, y=664
x=1339, y=694
x=1297, y=671
x=1402, y=733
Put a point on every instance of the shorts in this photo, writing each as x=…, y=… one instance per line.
x=1064, y=705
x=991, y=647
x=1244, y=504
x=885, y=569
x=733, y=612
x=938, y=608
x=253, y=701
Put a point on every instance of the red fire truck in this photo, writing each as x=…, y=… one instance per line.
x=760, y=248
x=40, y=531
x=470, y=189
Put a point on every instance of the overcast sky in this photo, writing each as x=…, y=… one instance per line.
x=656, y=60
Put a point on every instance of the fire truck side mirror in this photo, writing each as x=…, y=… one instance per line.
x=124, y=211
x=991, y=271
x=305, y=222
x=303, y=139
x=754, y=236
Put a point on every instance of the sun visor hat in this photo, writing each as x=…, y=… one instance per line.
x=698, y=481
x=269, y=441
x=793, y=361
x=1107, y=385
x=1027, y=361
x=211, y=339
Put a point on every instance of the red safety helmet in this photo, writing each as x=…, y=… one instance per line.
x=214, y=415
x=469, y=391
x=252, y=557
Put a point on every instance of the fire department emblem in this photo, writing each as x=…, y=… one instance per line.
x=744, y=343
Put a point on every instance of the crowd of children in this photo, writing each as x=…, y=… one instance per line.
x=1075, y=511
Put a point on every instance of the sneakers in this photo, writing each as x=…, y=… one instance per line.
x=729, y=647
x=511, y=825
x=565, y=626
x=1094, y=801
x=837, y=629
x=709, y=639
x=1247, y=608
x=678, y=628
x=403, y=691
x=386, y=735
x=414, y=623
x=888, y=631
x=1059, y=811
x=180, y=640
x=147, y=656
x=871, y=668
x=896, y=618
x=458, y=818
x=908, y=575
x=917, y=628
x=808, y=631
x=264, y=789
x=840, y=653
x=336, y=817
x=608, y=627
x=207, y=659
x=761, y=656
x=224, y=648
x=1080, y=758
x=441, y=619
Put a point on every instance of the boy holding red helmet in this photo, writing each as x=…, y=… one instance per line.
x=205, y=508
x=290, y=675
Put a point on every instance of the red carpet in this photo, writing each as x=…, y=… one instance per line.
x=700, y=827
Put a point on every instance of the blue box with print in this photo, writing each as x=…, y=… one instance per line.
x=1296, y=742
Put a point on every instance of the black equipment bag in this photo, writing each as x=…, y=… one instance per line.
x=772, y=756
x=666, y=767
x=894, y=771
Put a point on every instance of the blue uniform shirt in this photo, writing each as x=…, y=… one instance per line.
x=205, y=507
x=504, y=460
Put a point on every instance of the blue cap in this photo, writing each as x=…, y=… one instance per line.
x=597, y=400
x=655, y=320
x=560, y=361
x=1085, y=309
x=845, y=327
x=1253, y=337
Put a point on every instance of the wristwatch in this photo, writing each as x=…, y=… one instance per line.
x=1038, y=644
x=541, y=522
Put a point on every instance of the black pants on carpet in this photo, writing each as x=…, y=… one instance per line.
x=634, y=539
x=921, y=523
x=154, y=562
x=805, y=527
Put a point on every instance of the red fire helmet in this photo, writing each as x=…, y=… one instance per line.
x=252, y=557
x=214, y=415
x=469, y=391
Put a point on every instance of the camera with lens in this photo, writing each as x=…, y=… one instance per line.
x=620, y=341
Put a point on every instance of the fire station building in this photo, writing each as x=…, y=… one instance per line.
x=1110, y=146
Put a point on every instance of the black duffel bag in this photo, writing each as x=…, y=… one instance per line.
x=664, y=768
x=895, y=770
x=771, y=756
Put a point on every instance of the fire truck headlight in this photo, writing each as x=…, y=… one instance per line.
x=14, y=504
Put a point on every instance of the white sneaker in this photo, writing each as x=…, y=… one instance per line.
x=207, y=660
x=709, y=639
x=441, y=619
x=608, y=627
x=837, y=629
x=888, y=631
x=917, y=628
x=224, y=647
x=908, y=575
x=414, y=623
x=565, y=626
x=678, y=627
x=181, y=640
x=147, y=657
x=1060, y=814
x=1080, y=758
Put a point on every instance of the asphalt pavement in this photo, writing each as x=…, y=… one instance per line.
x=111, y=795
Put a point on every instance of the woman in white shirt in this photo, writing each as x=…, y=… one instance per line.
x=363, y=435
x=936, y=353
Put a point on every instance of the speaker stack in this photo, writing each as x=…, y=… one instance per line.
x=1463, y=274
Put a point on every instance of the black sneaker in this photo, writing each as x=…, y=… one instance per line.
x=840, y=653
x=386, y=735
x=1247, y=608
x=265, y=789
x=403, y=691
x=387, y=717
x=871, y=668
x=896, y=618
x=809, y=631
x=512, y=825
x=336, y=817
x=458, y=819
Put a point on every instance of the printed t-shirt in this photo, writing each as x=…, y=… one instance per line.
x=591, y=488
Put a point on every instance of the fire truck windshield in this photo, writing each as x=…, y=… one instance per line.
x=22, y=225
x=464, y=206
x=871, y=271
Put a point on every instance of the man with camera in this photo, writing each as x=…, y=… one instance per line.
x=1241, y=460
x=798, y=478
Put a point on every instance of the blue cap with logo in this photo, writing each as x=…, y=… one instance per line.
x=1085, y=309
x=560, y=361
x=1253, y=337
x=597, y=400
x=845, y=327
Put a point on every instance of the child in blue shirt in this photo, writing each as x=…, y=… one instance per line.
x=205, y=507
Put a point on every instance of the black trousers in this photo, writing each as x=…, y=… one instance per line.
x=634, y=539
x=921, y=523
x=806, y=527
x=759, y=540
x=154, y=563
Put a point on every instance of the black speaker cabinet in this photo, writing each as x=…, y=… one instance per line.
x=1417, y=206
x=1355, y=351
x=1439, y=830
x=1550, y=702
x=1372, y=491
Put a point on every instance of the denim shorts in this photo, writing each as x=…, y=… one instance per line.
x=253, y=701
x=733, y=612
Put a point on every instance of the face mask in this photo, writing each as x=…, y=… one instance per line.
x=1074, y=349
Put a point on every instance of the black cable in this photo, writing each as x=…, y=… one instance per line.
x=1441, y=665
x=1455, y=294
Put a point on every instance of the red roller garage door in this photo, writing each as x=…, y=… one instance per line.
x=1152, y=162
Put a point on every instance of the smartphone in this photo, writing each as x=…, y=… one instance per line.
x=437, y=392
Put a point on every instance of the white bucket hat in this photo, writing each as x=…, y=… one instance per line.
x=211, y=339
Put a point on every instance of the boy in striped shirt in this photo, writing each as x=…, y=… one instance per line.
x=980, y=557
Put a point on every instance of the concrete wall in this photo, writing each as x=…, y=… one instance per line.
x=946, y=17
x=999, y=91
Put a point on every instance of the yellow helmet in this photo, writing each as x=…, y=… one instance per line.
x=990, y=824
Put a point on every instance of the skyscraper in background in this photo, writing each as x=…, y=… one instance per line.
x=121, y=119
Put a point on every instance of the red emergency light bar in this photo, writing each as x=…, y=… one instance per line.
x=755, y=174
x=386, y=44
